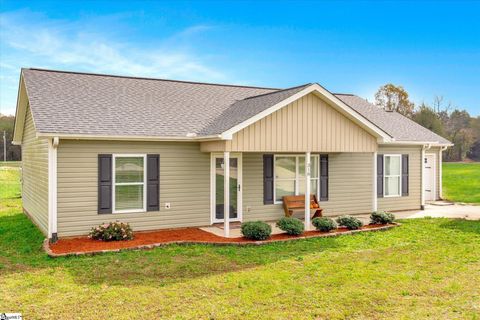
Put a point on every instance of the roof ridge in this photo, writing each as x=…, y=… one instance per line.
x=280, y=90
x=147, y=78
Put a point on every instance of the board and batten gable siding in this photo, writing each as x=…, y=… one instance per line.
x=414, y=198
x=350, y=186
x=308, y=123
x=35, y=174
x=184, y=183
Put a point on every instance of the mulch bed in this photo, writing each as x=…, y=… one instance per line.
x=151, y=239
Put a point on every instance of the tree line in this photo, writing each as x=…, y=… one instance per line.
x=6, y=125
x=440, y=117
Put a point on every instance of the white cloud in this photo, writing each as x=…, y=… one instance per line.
x=32, y=40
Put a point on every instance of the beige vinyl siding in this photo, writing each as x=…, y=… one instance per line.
x=350, y=186
x=413, y=200
x=35, y=174
x=306, y=124
x=184, y=183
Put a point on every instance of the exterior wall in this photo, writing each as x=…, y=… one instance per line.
x=35, y=174
x=306, y=124
x=413, y=200
x=184, y=183
x=350, y=186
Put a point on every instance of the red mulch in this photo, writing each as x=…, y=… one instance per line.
x=84, y=244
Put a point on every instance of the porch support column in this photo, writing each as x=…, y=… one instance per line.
x=374, y=181
x=307, y=190
x=226, y=194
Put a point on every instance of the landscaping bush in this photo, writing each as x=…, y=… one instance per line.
x=382, y=217
x=256, y=230
x=324, y=224
x=291, y=226
x=113, y=231
x=349, y=222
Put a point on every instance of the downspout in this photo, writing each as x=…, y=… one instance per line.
x=422, y=169
x=52, y=189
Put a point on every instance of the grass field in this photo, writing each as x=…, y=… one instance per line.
x=461, y=182
x=428, y=268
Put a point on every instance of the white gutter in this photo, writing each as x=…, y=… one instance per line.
x=187, y=138
x=421, y=143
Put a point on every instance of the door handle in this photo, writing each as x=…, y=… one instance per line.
x=238, y=187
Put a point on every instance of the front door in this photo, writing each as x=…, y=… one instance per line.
x=429, y=176
x=235, y=188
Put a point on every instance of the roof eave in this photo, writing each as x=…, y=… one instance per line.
x=418, y=143
x=67, y=136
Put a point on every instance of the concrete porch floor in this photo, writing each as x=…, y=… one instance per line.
x=438, y=209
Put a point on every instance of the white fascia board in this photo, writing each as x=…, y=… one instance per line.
x=319, y=90
x=125, y=138
x=20, y=113
x=419, y=143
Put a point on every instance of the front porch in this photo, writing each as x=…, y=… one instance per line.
x=258, y=181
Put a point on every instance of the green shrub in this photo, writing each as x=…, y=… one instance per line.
x=291, y=226
x=256, y=230
x=324, y=224
x=349, y=222
x=382, y=217
x=112, y=231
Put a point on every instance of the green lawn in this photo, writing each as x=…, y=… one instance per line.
x=427, y=268
x=461, y=182
x=10, y=164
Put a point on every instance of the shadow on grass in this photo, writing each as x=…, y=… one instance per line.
x=462, y=225
x=21, y=246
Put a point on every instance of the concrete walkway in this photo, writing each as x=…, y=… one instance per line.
x=438, y=209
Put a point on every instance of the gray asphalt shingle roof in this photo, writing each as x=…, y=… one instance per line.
x=90, y=104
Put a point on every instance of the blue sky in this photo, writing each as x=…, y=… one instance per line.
x=431, y=48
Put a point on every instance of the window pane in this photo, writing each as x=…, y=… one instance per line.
x=284, y=188
x=128, y=169
x=314, y=167
x=301, y=167
x=392, y=186
x=313, y=164
x=129, y=197
x=392, y=166
x=313, y=186
x=285, y=167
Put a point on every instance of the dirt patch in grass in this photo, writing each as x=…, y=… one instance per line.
x=80, y=245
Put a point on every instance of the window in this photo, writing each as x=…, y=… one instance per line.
x=129, y=175
x=290, y=175
x=393, y=175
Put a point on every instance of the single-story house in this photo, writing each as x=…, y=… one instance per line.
x=156, y=153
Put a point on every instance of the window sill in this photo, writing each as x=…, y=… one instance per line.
x=129, y=211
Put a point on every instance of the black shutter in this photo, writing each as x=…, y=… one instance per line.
x=323, y=177
x=153, y=182
x=104, y=183
x=380, y=176
x=404, y=175
x=268, y=179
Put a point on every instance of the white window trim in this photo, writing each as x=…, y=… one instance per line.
x=297, y=179
x=114, y=184
x=385, y=176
